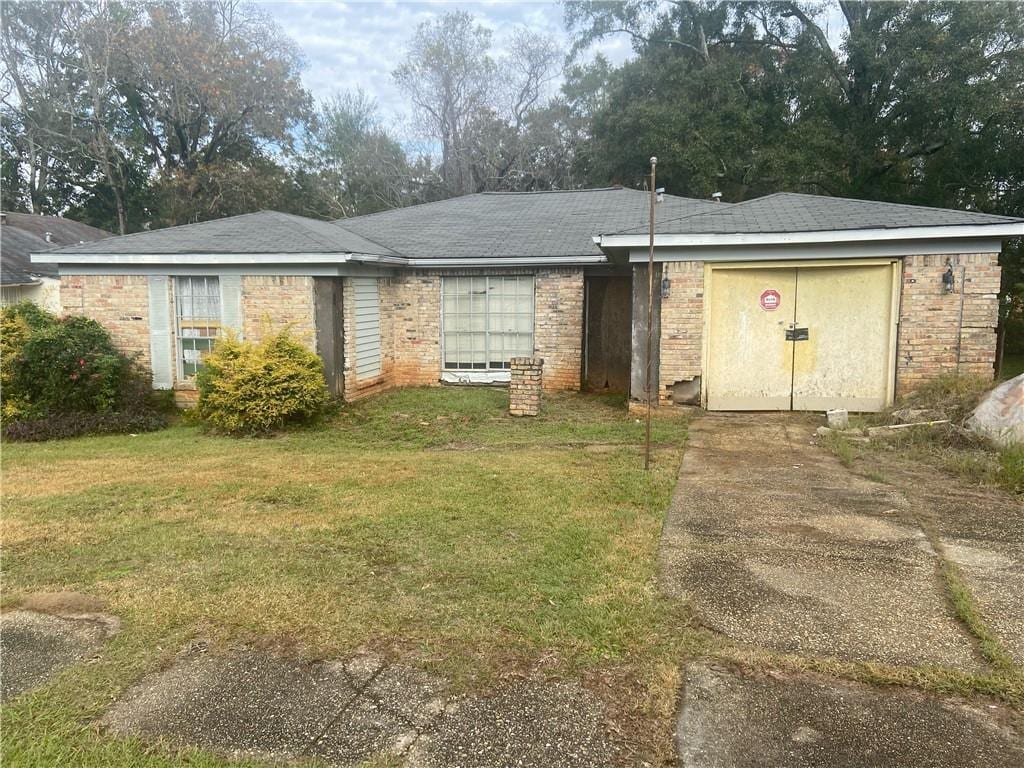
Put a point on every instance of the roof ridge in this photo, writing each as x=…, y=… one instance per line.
x=887, y=202
x=705, y=212
x=401, y=208
x=387, y=248
x=178, y=227
x=298, y=224
x=612, y=188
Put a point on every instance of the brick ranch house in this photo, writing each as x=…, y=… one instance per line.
x=783, y=302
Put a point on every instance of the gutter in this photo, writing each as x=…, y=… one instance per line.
x=299, y=260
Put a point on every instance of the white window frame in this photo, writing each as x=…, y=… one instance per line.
x=209, y=324
x=485, y=374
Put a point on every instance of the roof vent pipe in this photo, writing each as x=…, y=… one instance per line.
x=49, y=237
x=3, y=217
x=716, y=196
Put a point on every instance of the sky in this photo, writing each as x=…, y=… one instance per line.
x=354, y=44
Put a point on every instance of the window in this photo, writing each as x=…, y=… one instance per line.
x=197, y=320
x=487, y=322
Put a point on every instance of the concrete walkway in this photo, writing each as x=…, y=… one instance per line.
x=346, y=712
x=778, y=546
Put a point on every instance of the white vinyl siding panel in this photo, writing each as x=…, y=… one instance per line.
x=160, y=332
x=231, y=302
x=367, y=321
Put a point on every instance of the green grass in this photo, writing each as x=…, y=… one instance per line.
x=1013, y=365
x=425, y=524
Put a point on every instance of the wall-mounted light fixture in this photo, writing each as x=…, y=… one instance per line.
x=666, y=287
x=948, y=280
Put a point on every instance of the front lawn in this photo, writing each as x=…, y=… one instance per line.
x=425, y=524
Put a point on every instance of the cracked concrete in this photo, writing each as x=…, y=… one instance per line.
x=780, y=546
x=798, y=721
x=257, y=704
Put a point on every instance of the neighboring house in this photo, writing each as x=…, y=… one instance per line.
x=22, y=234
x=786, y=301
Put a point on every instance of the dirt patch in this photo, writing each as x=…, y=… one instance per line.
x=36, y=646
x=253, y=703
x=62, y=603
x=730, y=721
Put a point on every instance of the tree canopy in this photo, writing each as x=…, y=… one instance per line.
x=129, y=114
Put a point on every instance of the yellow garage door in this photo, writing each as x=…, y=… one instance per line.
x=807, y=337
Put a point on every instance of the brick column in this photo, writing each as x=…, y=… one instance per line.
x=525, y=387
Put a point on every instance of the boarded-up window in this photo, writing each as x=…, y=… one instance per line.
x=367, y=310
x=487, y=321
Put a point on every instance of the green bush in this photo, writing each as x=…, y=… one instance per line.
x=63, y=377
x=247, y=388
x=70, y=365
x=17, y=324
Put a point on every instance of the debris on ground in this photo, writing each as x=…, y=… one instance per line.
x=838, y=418
x=1000, y=415
x=912, y=415
x=891, y=428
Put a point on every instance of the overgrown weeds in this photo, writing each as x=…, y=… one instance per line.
x=950, y=447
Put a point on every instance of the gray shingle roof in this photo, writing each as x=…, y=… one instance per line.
x=792, y=212
x=261, y=232
x=15, y=266
x=514, y=224
x=23, y=234
x=63, y=231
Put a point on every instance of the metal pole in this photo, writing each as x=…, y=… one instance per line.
x=650, y=319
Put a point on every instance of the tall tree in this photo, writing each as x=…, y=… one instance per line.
x=448, y=74
x=362, y=168
x=907, y=105
x=208, y=79
x=40, y=77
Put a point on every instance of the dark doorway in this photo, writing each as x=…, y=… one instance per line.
x=330, y=339
x=608, y=308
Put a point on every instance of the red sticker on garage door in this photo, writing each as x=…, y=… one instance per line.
x=770, y=300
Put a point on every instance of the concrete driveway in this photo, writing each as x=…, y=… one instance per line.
x=778, y=546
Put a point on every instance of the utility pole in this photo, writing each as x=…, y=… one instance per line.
x=650, y=317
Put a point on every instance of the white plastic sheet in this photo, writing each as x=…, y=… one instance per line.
x=1000, y=416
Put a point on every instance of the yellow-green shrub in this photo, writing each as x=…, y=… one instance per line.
x=247, y=388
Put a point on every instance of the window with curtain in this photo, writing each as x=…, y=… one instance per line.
x=197, y=318
x=487, y=321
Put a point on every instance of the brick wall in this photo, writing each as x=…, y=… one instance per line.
x=682, y=325
x=120, y=303
x=415, y=303
x=558, y=326
x=269, y=303
x=927, y=345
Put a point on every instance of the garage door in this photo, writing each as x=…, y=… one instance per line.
x=801, y=337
